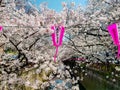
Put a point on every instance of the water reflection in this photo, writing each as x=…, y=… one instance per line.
x=93, y=82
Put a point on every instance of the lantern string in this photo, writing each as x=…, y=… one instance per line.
x=55, y=56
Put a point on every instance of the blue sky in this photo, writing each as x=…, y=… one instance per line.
x=56, y=4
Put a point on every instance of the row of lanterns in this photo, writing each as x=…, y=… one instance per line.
x=58, y=34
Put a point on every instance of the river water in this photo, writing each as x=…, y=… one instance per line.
x=93, y=82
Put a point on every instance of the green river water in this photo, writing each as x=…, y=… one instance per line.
x=93, y=82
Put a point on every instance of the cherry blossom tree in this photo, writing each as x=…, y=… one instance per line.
x=27, y=36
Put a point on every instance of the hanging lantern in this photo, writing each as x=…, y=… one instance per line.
x=114, y=31
x=1, y=28
x=57, y=37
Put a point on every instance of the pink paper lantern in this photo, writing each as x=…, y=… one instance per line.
x=114, y=30
x=1, y=28
x=57, y=37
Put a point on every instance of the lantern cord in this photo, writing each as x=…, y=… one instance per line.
x=55, y=56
